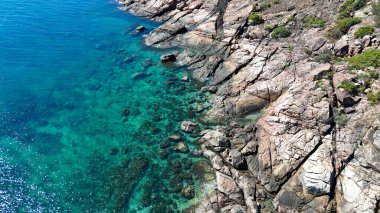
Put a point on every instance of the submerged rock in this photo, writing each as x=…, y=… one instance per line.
x=188, y=192
x=148, y=63
x=188, y=126
x=199, y=108
x=114, y=151
x=164, y=144
x=163, y=153
x=181, y=147
x=139, y=75
x=196, y=153
x=156, y=118
x=128, y=59
x=175, y=138
x=125, y=178
x=125, y=112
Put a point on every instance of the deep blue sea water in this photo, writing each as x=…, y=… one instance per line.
x=79, y=132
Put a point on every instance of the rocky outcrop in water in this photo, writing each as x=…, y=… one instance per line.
x=316, y=146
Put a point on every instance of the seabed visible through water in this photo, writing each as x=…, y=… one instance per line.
x=86, y=110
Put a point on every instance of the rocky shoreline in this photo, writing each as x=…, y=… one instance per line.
x=316, y=146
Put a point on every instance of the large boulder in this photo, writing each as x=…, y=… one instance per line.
x=236, y=159
x=228, y=186
x=216, y=140
x=188, y=126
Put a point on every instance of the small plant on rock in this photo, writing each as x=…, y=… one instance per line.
x=255, y=19
x=349, y=7
x=369, y=58
x=324, y=57
x=313, y=22
x=254, y=8
x=373, y=98
x=266, y=5
x=330, y=75
x=292, y=19
x=280, y=32
x=363, y=31
x=367, y=78
x=307, y=51
x=376, y=13
x=374, y=74
x=341, y=27
x=345, y=24
x=340, y=117
x=348, y=86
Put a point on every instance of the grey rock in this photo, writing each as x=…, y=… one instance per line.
x=140, y=28
x=181, y=147
x=341, y=47
x=236, y=159
x=250, y=148
x=175, y=137
x=217, y=140
x=188, y=126
x=168, y=58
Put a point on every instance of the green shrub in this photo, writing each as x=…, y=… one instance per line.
x=359, y=4
x=367, y=80
x=373, y=98
x=307, y=51
x=325, y=57
x=345, y=24
x=340, y=118
x=369, y=58
x=267, y=206
x=254, y=8
x=292, y=18
x=266, y=5
x=313, y=22
x=346, y=9
x=276, y=1
x=350, y=6
x=329, y=75
x=363, y=31
x=348, y=86
x=280, y=32
x=376, y=13
x=341, y=27
x=374, y=74
x=255, y=19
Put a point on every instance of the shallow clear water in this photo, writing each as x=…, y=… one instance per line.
x=67, y=75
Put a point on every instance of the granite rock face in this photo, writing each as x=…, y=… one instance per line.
x=314, y=146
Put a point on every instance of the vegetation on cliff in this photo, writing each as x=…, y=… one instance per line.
x=369, y=58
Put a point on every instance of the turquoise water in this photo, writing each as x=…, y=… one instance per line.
x=79, y=132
